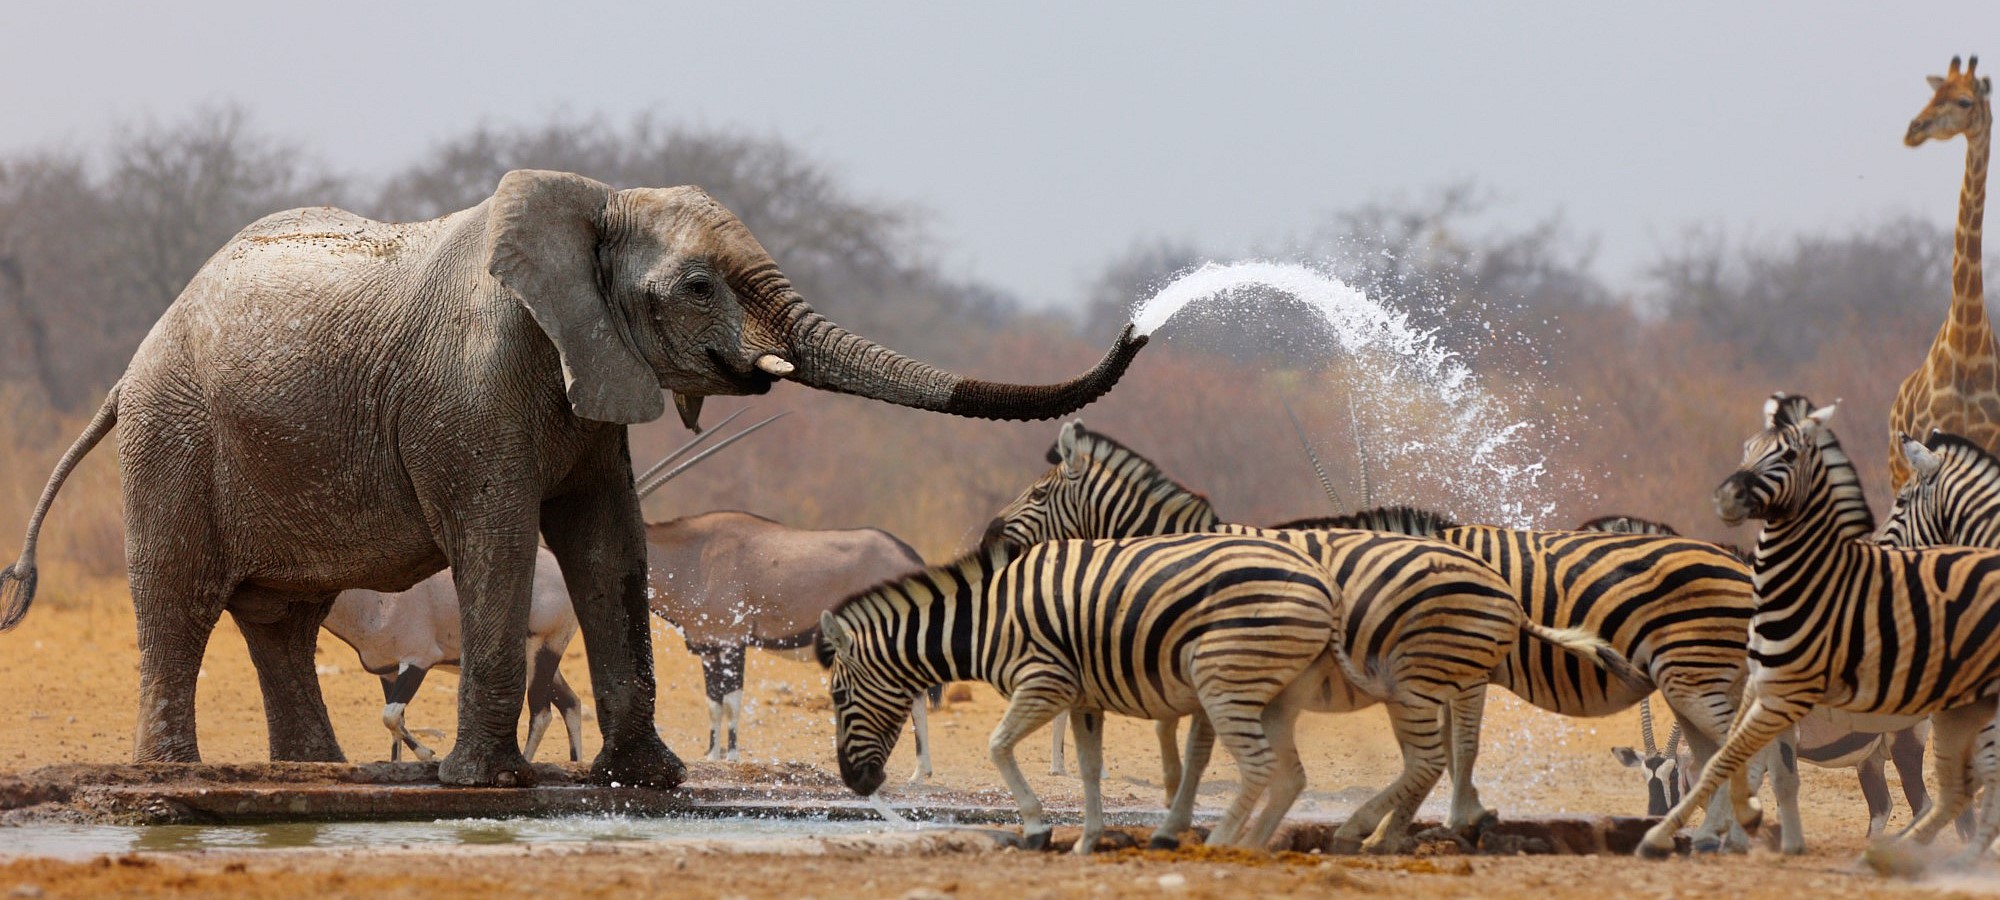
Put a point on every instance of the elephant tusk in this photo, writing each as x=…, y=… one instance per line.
x=690, y=410
x=772, y=364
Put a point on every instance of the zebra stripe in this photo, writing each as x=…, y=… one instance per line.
x=1847, y=623
x=1152, y=628
x=1428, y=623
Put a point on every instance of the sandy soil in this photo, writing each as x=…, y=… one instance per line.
x=72, y=673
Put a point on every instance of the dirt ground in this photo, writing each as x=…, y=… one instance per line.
x=72, y=673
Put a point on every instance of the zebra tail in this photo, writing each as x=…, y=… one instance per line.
x=1594, y=647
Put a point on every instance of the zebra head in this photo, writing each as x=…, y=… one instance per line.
x=1949, y=498
x=1098, y=488
x=870, y=705
x=1778, y=463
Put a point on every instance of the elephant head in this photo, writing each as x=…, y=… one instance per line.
x=655, y=288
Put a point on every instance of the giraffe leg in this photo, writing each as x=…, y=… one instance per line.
x=1760, y=723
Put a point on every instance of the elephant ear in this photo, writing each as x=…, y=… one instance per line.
x=542, y=236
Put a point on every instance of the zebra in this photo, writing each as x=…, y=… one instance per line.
x=1152, y=627
x=1431, y=622
x=1845, y=622
x=1826, y=738
x=1677, y=609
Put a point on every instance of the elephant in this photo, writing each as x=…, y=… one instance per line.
x=336, y=403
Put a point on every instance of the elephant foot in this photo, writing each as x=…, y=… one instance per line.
x=645, y=762
x=462, y=768
x=315, y=748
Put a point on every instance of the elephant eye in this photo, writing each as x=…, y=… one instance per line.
x=699, y=287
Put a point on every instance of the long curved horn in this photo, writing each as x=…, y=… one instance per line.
x=655, y=484
x=1674, y=740
x=1325, y=483
x=690, y=445
x=1646, y=726
x=1361, y=452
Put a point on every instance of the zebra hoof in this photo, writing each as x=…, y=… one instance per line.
x=1162, y=842
x=1036, y=841
x=1649, y=851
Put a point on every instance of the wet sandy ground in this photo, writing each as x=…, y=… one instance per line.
x=72, y=677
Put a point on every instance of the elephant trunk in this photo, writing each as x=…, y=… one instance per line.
x=829, y=357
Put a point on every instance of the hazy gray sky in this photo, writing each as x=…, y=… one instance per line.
x=1045, y=138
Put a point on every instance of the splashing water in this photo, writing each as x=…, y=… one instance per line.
x=1427, y=419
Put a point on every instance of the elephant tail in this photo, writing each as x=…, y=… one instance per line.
x=17, y=582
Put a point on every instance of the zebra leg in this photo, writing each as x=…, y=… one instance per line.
x=1180, y=814
x=1056, y=729
x=1952, y=734
x=1385, y=818
x=920, y=729
x=1288, y=775
x=1034, y=704
x=396, y=696
x=1170, y=758
x=1704, y=717
x=1758, y=724
x=1462, y=720
x=1239, y=725
x=1088, y=725
x=1985, y=771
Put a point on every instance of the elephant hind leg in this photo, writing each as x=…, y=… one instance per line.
x=282, y=632
x=174, y=628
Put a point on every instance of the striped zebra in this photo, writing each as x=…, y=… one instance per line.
x=1430, y=625
x=1826, y=738
x=1151, y=627
x=1844, y=622
x=1677, y=609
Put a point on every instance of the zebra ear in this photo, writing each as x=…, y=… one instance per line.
x=1771, y=408
x=835, y=633
x=1066, y=442
x=1823, y=414
x=1920, y=457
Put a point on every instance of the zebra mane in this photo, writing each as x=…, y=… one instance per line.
x=1621, y=524
x=1850, y=504
x=1146, y=475
x=1958, y=446
x=1408, y=520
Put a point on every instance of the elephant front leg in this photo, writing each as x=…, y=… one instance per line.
x=492, y=573
x=600, y=540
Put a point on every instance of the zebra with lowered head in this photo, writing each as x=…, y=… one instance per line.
x=1675, y=609
x=1429, y=622
x=1151, y=628
x=1845, y=622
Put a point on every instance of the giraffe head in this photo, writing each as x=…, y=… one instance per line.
x=1957, y=105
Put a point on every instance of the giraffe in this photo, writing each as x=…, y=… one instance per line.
x=1957, y=389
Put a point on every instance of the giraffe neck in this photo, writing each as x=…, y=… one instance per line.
x=1971, y=334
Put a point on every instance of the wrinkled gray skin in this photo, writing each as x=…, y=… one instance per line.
x=400, y=637
x=338, y=403
x=730, y=580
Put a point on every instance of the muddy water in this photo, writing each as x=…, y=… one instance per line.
x=86, y=841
